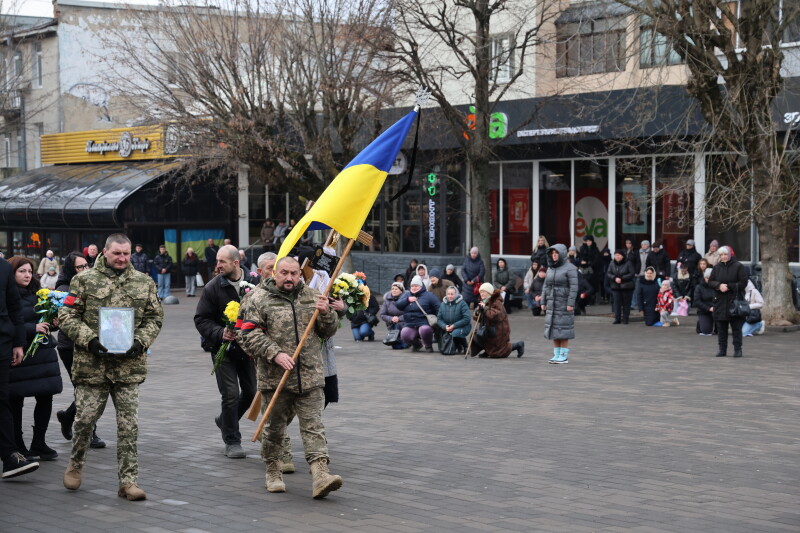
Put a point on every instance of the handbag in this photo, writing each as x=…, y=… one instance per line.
x=484, y=332
x=740, y=308
x=681, y=309
x=432, y=320
x=753, y=317
x=476, y=286
x=392, y=337
x=447, y=345
x=198, y=280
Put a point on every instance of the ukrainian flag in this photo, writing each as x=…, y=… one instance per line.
x=345, y=204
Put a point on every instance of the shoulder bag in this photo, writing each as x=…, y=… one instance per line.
x=740, y=308
x=432, y=320
x=392, y=338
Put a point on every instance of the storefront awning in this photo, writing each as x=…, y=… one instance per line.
x=75, y=196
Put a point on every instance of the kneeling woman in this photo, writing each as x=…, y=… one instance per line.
x=454, y=318
x=416, y=305
x=491, y=306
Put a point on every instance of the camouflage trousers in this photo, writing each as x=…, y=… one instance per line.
x=90, y=402
x=307, y=407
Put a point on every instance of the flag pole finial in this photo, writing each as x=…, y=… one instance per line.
x=421, y=97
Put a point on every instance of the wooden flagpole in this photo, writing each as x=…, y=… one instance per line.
x=302, y=343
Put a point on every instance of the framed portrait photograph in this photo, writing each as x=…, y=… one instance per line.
x=116, y=328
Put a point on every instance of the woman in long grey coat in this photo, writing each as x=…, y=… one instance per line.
x=558, y=300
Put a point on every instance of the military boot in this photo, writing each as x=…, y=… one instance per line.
x=132, y=492
x=323, y=483
x=274, y=481
x=287, y=464
x=73, y=477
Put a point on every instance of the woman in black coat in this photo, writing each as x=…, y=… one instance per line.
x=647, y=297
x=38, y=375
x=620, y=278
x=659, y=259
x=729, y=280
x=190, y=266
x=362, y=322
x=704, y=302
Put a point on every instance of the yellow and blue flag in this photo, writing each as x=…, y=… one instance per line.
x=345, y=204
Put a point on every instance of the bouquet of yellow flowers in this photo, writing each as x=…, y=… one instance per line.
x=48, y=305
x=352, y=290
x=229, y=317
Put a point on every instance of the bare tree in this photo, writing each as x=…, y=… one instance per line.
x=282, y=89
x=734, y=59
x=469, y=52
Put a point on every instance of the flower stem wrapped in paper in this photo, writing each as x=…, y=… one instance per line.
x=351, y=289
x=229, y=317
x=48, y=305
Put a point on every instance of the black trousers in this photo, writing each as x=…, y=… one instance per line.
x=621, y=302
x=234, y=372
x=7, y=445
x=722, y=333
x=705, y=324
x=41, y=413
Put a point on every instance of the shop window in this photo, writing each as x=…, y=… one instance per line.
x=674, y=206
x=37, y=58
x=591, y=201
x=726, y=231
x=554, y=201
x=590, y=47
x=494, y=208
x=517, y=215
x=633, y=199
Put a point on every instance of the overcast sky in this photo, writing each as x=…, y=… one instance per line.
x=44, y=8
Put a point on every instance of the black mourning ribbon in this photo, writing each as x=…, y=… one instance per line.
x=405, y=188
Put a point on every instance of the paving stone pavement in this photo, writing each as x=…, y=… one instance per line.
x=643, y=431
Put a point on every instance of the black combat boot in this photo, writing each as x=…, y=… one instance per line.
x=39, y=447
x=519, y=347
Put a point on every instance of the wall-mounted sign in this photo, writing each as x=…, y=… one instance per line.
x=498, y=124
x=400, y=164
x=573, y=130
x=431, y=223
x=126, y=145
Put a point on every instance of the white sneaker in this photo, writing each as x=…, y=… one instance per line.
x=760, y=331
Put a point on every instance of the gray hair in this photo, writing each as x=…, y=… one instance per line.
x=263, y=258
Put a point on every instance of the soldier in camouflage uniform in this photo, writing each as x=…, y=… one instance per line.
x=271, y=322
x=113, y=282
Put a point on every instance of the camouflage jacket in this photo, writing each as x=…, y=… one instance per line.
x=99, y=287
x=271, y=322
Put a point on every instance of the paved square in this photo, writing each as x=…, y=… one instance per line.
x=644, y=431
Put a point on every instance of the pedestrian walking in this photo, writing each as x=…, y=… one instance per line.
x=113, y=282
x=558, y=300
x=272, y=321
x=729, y=280
x=236, y=375
x=74, y=264
x=36, y=376
x=12, y=340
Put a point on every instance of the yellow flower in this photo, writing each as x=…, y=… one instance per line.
x=232, y=311
x=43, y=293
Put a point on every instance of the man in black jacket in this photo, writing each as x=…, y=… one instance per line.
x=211, y=258
x=163, y=263
x=139, y=259
x=12, y=339
x=236, y=370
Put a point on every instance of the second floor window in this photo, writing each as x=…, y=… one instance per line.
x=502, y=59
x=590, y=47
x=38, y=59
x=655, y=49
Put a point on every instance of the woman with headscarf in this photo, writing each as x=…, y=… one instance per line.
x=729, y=281
x=49, y=260
x=416, y=304
x=38, y=375
x=647, y=297
x=390, y=314
x=422, y=272
x=497, y=345
x=453, y=318
x=713, y=253
x=74, y=264
x=558, y=302
x=451, y=276
x=473, y=271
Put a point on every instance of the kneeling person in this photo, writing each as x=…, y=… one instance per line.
x=272, y=320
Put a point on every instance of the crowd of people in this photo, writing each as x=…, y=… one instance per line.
x=454, y=309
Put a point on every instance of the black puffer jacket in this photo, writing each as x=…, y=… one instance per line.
x=734, y=276
x=360, y=317
x=660, y=261
x=646, y=299
x=38, y=374
x=703, y=298
x=623, y=270
x=208, y=317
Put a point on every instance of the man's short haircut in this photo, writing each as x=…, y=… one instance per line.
x=285, y=259
x=263, y=258
x=118, y=238
x=231, y=251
